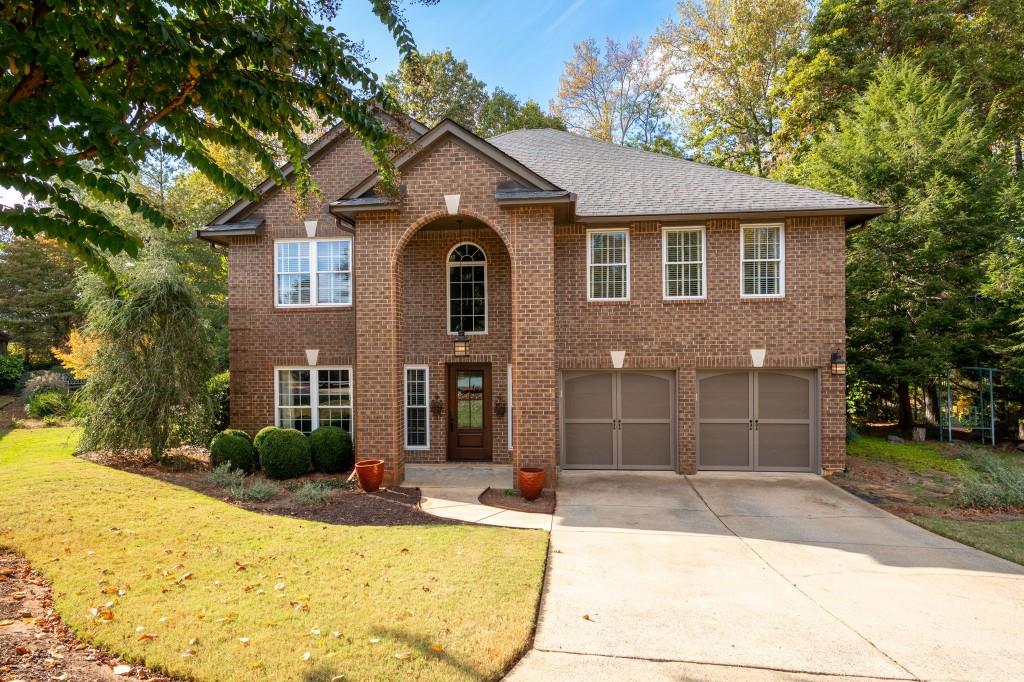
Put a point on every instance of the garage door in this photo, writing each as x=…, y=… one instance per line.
x=760, y=421
x=618, y=420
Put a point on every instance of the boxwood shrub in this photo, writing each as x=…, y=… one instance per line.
x=331, y=449
x=233, y=447
x=261, y=434
x=284, y=453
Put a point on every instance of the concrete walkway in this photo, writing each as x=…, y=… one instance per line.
x=452, y=492
x=653, y=576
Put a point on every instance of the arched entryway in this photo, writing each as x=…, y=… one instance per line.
x=454, y=274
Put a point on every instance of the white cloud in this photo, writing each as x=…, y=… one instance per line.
x=570, y=10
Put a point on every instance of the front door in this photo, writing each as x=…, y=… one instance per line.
x=469, y=412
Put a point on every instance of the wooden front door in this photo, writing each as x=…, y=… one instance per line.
x=469, y=412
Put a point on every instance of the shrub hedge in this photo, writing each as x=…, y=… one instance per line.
x=331, y=449
x=231, y=446
x=48, y=404
x=284, y=453
x=11, y=369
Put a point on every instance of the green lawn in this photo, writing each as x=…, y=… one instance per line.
x=230, y=595
x=937, y=473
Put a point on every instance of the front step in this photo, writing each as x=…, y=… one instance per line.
x=458, y=475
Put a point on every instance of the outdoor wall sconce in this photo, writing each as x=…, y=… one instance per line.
x=461, y=344
x=500, y=408
x=436, y=407
x=838, y=364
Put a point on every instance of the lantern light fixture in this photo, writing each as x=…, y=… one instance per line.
x=838, y=363
x=461, y=344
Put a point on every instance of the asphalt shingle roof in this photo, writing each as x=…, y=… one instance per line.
x=613, y=180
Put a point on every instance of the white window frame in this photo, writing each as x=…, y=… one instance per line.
x=406, y=405
x=313, y=288
x=590, y=264
x=448, y=287
x=703, y=262
x=782, y=258
x=314, y=394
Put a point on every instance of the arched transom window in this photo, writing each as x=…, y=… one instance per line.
x=467, y=289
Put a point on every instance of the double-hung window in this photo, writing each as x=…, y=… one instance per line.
x=307, y=398
x=683, y=266
x=417, y=419
x=314, y=272
x=608, y=265
x=763, y=258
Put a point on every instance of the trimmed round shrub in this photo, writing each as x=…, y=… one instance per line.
x=48, y=404
x=233, y=448
x=238, y=432
x=331, y=449
x=261, y=434
x=284, y=453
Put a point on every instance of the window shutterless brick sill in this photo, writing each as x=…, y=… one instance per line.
x=312, y=308
x=684, y=301
x=626, y=302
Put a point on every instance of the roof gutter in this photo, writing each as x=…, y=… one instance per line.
x=854, y=216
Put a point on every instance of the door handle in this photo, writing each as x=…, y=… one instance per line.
x=755, y=425
x=750, y=425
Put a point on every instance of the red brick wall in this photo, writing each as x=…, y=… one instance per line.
x=538, y=316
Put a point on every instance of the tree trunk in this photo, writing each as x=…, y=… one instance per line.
x=931, y=403
x=906, y=421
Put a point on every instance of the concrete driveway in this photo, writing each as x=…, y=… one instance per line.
x=653, y=576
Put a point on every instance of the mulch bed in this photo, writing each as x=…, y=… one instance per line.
x=35, y=645
x=497, y=497
x=345, y=505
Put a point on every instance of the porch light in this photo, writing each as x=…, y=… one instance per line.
x=461, y=343
x=838, y=364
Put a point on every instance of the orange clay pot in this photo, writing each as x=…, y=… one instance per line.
x=370, y=474
x=531, y=482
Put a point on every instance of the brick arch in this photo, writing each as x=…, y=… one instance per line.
x=425, y=220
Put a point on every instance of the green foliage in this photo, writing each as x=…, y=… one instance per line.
x=312, y=492
x=998, y=484
x=90, y=89
x=148, y=389
x=225, y=476
x=915, y=274
x=256, y=490
x=502, y=112
x=918, y=457
x=38, y=293
x=331, y=449
x=218, y=387
x=257, y=440
x=284, y=453
x=435, y=86
x=48, y=404
x=11, y=370
x=237, y=450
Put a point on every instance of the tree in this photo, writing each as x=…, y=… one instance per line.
x=617, y=94
x=76, y=356
x=149, y=373
x=503, y=112
x=914, y=275
x=435, y=86
x=38, y=295
x=978, y=42
x=91, y=88
x=731, y=55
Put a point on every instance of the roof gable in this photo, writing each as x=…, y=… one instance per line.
x=448, y=129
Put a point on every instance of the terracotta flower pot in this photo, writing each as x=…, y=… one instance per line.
x=531, y=482
x=370, y=474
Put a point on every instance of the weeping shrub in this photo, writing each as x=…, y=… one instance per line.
x=148, y=387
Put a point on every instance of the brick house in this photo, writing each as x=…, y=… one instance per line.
x=543, y=299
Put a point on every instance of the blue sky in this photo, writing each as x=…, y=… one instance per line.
x=520, y=45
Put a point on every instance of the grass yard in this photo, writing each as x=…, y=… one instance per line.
x=971, y=494
x=203, y=590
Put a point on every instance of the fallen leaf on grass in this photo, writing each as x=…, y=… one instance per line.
x=402, y=655
x=586, y=616
x=244, y=641
x=279, y=587
x=306, y=656
x=188, y=653
x=122, y=669
x=145, y=637
x=437, y=648
x=375, y=640
x=4, y=623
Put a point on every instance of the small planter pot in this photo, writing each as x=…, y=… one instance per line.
x=531, y=482
x=370, y=474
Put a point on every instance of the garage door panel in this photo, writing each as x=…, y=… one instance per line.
x=783, y=396
x=647, y=446
x=589, y=396
x=589, y=445
x=645, y=396
x=725, y=396
x=783, y=446
x=724, y=446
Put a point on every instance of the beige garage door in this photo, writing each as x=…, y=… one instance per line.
x=756, y=420
x=618, y=420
